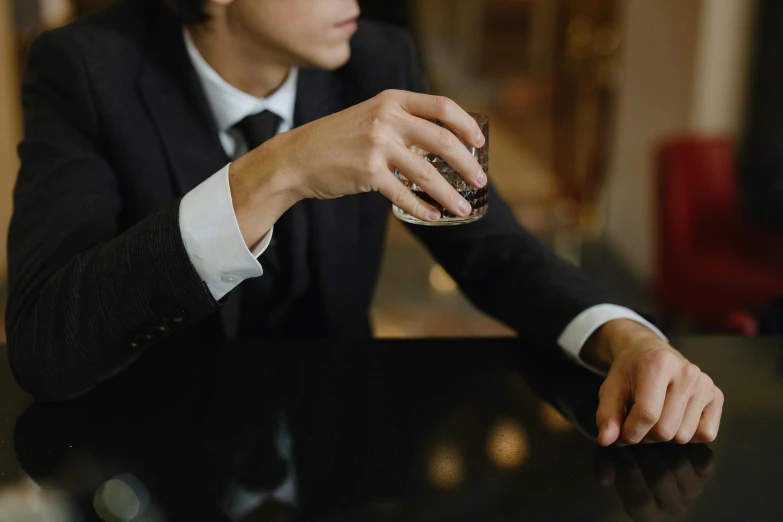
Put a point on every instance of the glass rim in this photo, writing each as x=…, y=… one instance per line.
x=481, y=119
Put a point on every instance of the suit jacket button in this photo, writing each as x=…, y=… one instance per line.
x=163, y=324
x=178, y=316
x=137, y=342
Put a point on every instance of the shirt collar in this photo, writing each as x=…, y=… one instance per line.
x=229, y=104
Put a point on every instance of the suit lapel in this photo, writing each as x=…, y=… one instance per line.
x=178, y=106
x=334, y=223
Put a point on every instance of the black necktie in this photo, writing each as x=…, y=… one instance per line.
x=258, y=128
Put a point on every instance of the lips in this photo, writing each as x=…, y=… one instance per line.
x=348, y=23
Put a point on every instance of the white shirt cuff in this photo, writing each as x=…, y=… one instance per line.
x=212, y=237
x=582, y=327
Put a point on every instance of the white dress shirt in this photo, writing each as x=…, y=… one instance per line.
x=210, y=230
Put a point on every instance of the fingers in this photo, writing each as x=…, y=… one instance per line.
x=444, y=143
x=401, y=196
x=673, y=400
x=418, y=170
x=690, y=420
x=677, y=399
x=703, y=396
x=650, y=395
x=710, y=419
x=611, y=411
x=442, y=109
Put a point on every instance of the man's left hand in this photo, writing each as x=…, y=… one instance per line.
x=652, y=392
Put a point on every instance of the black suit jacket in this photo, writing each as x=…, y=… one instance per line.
x=117, y=130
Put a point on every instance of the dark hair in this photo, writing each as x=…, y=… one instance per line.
x=190, y=12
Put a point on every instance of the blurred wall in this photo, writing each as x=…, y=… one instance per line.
x=686, y=65
x=9, y=129
x=724, y=51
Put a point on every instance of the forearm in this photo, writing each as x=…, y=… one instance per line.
x=535, y=295
x=98, y=312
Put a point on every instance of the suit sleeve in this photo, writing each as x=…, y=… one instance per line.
x=503, y=269
x=85, y=299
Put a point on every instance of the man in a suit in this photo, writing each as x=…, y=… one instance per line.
x=223, y=168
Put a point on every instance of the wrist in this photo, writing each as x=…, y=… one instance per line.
x=613, y=338
x=262, y=190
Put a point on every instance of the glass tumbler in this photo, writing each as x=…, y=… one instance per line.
x=478, y=198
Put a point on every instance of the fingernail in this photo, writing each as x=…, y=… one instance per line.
x=481, y=179
x=464, y=207
x=480, y=139
x=433, y=215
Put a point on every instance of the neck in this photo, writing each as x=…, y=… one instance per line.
x=241, y=65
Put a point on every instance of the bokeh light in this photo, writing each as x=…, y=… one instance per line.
x=26, y=501
x=507, y=444
x=120, y=499
x=445, y=469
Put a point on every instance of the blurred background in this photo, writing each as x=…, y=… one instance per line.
x=640, y=139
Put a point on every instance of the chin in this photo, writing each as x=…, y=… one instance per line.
x=332, y=59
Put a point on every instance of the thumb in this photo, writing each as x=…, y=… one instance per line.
x=611, y=412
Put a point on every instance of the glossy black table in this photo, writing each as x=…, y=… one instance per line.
x=437, y=430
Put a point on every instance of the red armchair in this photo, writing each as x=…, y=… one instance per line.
x=711, y=266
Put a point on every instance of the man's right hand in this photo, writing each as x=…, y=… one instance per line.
x=355, y=151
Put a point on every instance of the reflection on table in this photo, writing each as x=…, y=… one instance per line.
x=395, y=430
